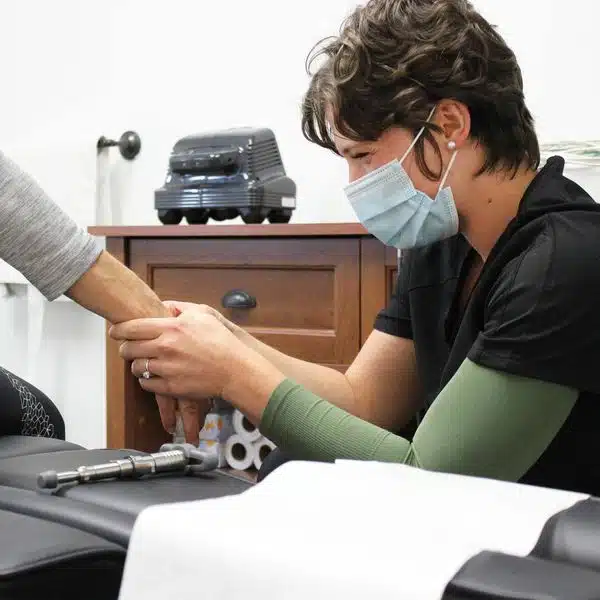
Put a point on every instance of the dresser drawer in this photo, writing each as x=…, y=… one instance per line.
x=300, y=296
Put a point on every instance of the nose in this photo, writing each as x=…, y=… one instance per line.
x=354, y=172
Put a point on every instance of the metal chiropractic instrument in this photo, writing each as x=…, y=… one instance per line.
x=185, y=458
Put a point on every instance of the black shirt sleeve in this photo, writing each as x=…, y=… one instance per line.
x=542, y=315
x=395, y=317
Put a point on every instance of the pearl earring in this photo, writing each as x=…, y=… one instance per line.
x=451, y=145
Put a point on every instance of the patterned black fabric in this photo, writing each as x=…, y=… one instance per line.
x=25, y=410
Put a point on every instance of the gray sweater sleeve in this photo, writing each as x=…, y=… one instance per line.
x=37, y=237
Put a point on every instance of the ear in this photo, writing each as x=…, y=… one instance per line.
x=454, y=119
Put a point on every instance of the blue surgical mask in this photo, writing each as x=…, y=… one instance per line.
x=390, y=207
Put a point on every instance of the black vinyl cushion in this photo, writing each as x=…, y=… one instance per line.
x=106, y=508
x=42, y=559
x=496, y=576
x=71, y=543
x=19, y=445
x=129, y=496
x=573, y=535
x=132, y=496
x=108, y=523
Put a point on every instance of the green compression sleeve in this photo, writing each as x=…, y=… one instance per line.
x=484, y=423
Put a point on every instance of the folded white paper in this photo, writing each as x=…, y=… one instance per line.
x=349, y=530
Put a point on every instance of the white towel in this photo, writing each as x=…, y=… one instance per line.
x=349, y=530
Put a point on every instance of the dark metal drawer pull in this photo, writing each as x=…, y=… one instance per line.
x=238, y=299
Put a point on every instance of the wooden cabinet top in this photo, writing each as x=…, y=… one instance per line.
x=208, y=231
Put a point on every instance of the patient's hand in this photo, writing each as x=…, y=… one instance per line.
x=176, y=308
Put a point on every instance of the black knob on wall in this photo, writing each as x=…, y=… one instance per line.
x=129, y=144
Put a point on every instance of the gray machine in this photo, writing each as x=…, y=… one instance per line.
x=225, y=174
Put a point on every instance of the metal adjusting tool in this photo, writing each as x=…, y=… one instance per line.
x=171, y=458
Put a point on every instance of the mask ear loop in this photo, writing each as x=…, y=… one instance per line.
x=419, y=134
x=450, y=163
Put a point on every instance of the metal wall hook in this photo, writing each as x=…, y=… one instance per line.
x=129, y=144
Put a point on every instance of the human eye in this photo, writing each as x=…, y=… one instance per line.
x=362, y=156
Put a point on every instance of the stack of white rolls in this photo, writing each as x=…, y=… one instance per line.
x=247, y=447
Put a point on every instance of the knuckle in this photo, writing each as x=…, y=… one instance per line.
x=178, y=326
x=188, y=408
x=206, y=312
x=206, y=318
x=164, y=345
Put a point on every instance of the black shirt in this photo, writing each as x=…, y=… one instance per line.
x=534, y=311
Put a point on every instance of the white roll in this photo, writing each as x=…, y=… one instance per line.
x=239, y=453
x=244, y=428
x=262, y=449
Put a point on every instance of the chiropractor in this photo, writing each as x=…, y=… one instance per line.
x=493, y=330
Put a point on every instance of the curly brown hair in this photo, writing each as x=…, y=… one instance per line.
x=394, y=60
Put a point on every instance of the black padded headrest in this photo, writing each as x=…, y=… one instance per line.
x=19, y=445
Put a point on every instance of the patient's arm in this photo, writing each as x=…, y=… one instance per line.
x=57, y=256
x=113, y=291
x=37, y=237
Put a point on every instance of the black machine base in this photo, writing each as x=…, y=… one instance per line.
x=200, y=216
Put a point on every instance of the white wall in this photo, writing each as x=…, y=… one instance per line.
x=73, y=71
